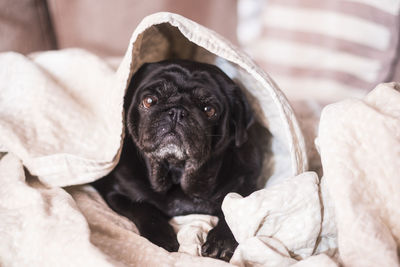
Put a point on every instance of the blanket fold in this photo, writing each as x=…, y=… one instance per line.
x=360, y=151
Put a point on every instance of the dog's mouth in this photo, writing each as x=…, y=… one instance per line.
x=171, y=161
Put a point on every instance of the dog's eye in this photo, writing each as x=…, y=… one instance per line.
x=149, y=101
x=210, y=111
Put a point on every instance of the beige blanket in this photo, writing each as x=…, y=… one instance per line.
x=61, y=126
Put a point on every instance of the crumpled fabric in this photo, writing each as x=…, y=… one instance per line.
x=41, y=226
x=280, y=225
x=359, y=143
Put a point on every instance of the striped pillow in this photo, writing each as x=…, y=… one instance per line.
x=325, y=50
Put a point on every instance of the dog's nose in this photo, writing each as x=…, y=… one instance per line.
x=177, y=114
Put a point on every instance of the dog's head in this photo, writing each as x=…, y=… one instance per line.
x=181, y=115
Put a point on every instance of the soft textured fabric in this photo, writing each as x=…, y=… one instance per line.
x=326, y=50
x=65, y=129
x=360, y=151
x=287, y=221
x=282, y=221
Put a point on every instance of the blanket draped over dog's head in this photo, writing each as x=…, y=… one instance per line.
x=73, y=128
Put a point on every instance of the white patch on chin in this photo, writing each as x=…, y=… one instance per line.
x=170, y=150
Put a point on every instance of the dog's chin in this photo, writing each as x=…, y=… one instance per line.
x=170, y=152
x=169, y=145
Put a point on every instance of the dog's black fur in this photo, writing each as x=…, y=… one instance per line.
x=188, y=143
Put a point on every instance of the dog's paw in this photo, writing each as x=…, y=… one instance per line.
x=163, y=235
x=168, y=242
x=219, y=245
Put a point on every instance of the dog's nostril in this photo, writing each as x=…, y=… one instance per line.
x=176, y=113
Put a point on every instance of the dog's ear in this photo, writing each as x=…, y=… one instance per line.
x=242, y=117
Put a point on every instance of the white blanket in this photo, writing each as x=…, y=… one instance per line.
x=360, y=151
x=359, y=195
x=297, y=219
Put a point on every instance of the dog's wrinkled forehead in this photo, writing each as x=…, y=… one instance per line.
x=202, y=80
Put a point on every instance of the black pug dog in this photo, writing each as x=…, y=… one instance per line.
x=188, y=143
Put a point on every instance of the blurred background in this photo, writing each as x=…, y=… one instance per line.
x=324, y=50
